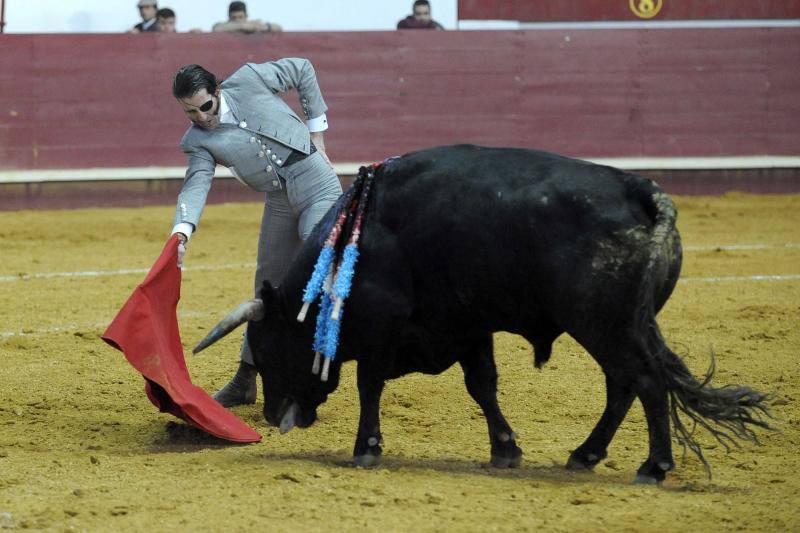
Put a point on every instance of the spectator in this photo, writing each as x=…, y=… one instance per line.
x=239, y=23
x=147, y=10
x=420, y=19
x=165, y=20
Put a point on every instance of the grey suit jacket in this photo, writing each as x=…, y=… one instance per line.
x=267, y=131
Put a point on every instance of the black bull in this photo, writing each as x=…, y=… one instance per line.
x=463, y=241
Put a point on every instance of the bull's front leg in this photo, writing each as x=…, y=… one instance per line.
x=367, y=450
x=480, y=377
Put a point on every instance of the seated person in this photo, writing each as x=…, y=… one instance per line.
x=239, y=23
x=147, y=10
x=165, y=18
x=420, y=19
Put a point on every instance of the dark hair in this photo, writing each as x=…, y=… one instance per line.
x=421, y=3
x=192, y=78
x=237, y=6
x=165, y=13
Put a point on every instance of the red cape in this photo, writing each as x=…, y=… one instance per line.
x=146, y=331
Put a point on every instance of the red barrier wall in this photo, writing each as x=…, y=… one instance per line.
x=592, y=10
x=76, y=101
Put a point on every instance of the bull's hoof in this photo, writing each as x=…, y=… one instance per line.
x=643, y=479
x=367, y=451
x=505, y=453
x=577, y=464
x=652, y=472
x=579, y=461
x=499, y=461
x=367, y=460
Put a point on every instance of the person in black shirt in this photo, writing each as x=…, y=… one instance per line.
x=420, y=19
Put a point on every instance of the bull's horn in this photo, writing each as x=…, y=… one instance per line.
x=289, y=419
x=249, y=310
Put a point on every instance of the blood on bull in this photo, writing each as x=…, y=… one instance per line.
x=460, y=242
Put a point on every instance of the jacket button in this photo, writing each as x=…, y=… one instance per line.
x=252, y=140
x=274, y=157
x=269, y=151
x=243, y=124
x=261, y=154
x=279, y=161
x=274, y=183
x=269, y=169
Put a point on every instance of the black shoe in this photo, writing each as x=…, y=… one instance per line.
x=241, y=389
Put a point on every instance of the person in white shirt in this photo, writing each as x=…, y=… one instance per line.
x=244, y=124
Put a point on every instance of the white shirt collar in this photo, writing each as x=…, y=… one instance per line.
x=225, y=113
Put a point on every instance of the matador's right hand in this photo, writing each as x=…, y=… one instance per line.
x=181, y=249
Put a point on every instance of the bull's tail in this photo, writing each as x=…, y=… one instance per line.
x=727, y=412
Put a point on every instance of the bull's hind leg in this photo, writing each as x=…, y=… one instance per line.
x=631, y=370
x=652, y=392
x=480, y=376
x=619, y=397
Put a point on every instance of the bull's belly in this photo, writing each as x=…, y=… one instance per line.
x=422, y=350
x=408, y=362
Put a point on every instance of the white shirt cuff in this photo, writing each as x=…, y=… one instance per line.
x=183, y=227
x=317, y=124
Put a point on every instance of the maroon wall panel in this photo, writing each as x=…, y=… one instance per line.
x=593, y=10
x=76, y=101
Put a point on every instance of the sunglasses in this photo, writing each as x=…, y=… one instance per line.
x=207, y=106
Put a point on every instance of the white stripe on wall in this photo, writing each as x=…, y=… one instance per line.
x=351, y=169
x=626, y=24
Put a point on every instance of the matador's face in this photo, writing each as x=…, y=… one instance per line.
x=202, y=108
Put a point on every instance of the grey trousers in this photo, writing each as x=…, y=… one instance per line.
x=311, y=188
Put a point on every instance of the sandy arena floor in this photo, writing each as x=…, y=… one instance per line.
x=81, y=447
